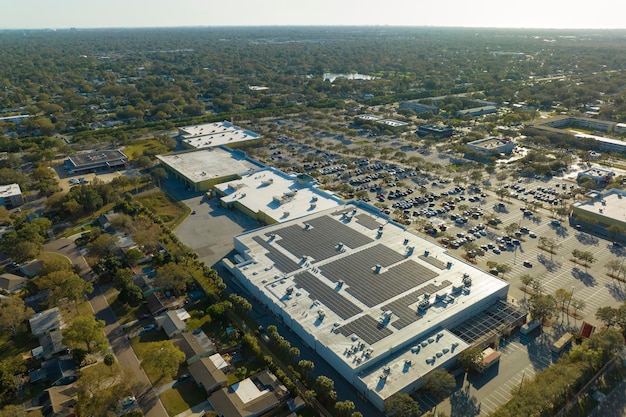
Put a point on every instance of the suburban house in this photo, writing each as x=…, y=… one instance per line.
x=195, y=345
x=46, y=321
x=50, y=343
x=12, y=283
x=172, y=322
x=62, y=401
x=207, y=375
x=251, y=397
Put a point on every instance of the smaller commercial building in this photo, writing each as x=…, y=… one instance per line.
x=202, y=169
x=215, y=134
x=607, y=211
x=96, y=161
x=492, y=146
x=599, y=175
x=11, y=196
x=419, y=107
x=393, y=124
x=434, y=130
x=477, y=111
x=271, y=196
x=368, y=117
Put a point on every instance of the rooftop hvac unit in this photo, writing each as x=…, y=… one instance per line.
x=321, y=313
x=378, y=268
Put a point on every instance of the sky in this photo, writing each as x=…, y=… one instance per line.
x=558, y=14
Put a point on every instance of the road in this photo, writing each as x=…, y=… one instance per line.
x=149, y=402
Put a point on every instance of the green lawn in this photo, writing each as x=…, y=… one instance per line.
x=182, y=397
x=160, y=204
x=138, y=147
x=124, y=312
x=139, y=344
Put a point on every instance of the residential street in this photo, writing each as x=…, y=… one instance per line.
x=149, y=402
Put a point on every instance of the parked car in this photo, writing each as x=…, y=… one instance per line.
x=528, y=264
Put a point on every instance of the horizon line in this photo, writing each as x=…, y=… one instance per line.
x=64, y=28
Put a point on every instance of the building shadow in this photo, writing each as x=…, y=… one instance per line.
x=463, y=404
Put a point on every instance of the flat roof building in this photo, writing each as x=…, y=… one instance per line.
x=433, y=130
x=202, y=169
x=372, y=299
x=477, y=111
x=492, y=146
x=104, y=160
x=561, y=123
x=271, y=196
x=392, y=123
x=368, y=117
x=608, y=209
x=599, y=175
x=215, y=134
x=419, y=107
x=11, y=196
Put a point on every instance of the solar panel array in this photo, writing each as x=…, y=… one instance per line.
x=485, y=322
x=405, y=314
x=367, y=221
x=366, y=328
x=320, y=241
x=326, y=295
x=357, y=270
x=281, y=261
x=433, y=261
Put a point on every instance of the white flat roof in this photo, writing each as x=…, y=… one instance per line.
x=215, y=134
x=392, y=122
x=246, y=390
x=10, y=190
x=602, y=139
x=207, y=164
x=275, y=194
x=424, y=356
x=345, y=286
x=611, y=205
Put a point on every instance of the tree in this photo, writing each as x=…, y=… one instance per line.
x=13, y=313
x=614, y=266
x=470, y=358
x=19, y=411
x=526, y=280
x=240, y=303
x=103, y=245
x=306, y=367
x=326, y=387
x=542, y=306
x=86, y=332
x=98, y=393
x=344, y=408
x=607, y=315
x=439, y=382
x=401, y=405
x=164, y=356
x=65, y=285
x=503, y=268
x=55, y=264
x=511, y=229
x=172, y=275
x=561, y=296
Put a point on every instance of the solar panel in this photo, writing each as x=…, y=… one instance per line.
x=357, y=270
x=367, y=221
x=485, y=322
x=320, y=240
x=366, y=328
x=400, y=307
x=281, y=261
x=326, y=295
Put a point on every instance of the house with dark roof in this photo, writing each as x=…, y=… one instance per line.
x=51, y=343
x=207, y=375
x=251, y=397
